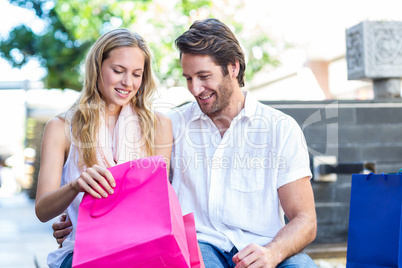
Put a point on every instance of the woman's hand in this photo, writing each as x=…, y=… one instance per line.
x=96, y=180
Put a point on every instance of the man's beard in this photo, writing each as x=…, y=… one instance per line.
x=222, y=95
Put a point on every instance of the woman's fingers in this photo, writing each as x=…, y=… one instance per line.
x=86, y=183
x=97, y=181
x=106, y=175
x=103, y=177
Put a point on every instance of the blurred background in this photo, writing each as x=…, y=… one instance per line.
x=295, y=52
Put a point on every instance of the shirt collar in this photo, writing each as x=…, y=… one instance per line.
x=250, y=105
x=197, y=113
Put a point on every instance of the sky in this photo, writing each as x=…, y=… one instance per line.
x=318, y=26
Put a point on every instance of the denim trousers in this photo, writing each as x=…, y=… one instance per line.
x=67, y=262
x=214, y=258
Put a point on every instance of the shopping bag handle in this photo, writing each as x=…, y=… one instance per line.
x=371, y=173
x=105, y=205
x=99, y=204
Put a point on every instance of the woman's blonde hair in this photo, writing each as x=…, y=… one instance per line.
x=87, y=109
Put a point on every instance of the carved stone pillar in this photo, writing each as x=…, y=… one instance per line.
x=374, y=51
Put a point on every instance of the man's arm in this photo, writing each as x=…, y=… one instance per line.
x=297, y=201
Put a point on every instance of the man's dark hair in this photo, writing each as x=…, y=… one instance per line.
x=212, y=37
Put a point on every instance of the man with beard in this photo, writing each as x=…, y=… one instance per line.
x=237, y=164
x=246, y=163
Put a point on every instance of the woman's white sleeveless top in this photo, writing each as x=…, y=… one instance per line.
x=70, y=173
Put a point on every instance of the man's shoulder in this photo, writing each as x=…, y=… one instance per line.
x=274, y=117
x=269, y=110
x=183, y=111
x=181, y=116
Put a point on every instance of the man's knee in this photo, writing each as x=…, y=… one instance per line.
x=301, y=260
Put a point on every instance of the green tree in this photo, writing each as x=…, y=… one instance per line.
x=73, y=26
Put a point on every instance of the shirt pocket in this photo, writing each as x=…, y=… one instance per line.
x=246, y=181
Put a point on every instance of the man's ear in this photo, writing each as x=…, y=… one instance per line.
x=234, y=69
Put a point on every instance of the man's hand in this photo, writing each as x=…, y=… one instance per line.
x=297, y=201
x=61, y=229
x=254, y=256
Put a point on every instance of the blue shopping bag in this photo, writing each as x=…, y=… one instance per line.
x=374, y=236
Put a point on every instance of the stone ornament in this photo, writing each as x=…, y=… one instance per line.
x=374, y=50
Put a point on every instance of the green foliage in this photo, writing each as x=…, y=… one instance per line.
x=256, y=50
x=22, y=38
x=74, y=25
x=186, y=6
x=55, y=49
x=166, y=55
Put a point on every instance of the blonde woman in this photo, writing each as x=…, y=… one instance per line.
x=110, y=123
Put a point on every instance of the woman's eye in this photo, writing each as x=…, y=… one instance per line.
x=136, y=75
x=116, y=71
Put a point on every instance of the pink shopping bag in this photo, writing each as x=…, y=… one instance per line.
x=196, y=260
x=140, y=225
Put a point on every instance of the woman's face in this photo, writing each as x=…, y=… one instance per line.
x=122, y=74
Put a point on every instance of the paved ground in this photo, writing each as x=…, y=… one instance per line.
x=331, y=263
x=23, y=238
x=25, y=241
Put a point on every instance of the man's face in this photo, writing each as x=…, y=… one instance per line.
x=206, y=82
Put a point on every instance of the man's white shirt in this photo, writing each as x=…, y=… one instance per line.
x=231, y=182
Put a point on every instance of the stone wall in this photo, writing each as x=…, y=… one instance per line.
x=353, y=131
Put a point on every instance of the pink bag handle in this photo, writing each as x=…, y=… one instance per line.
x=105, y=205
x=196, y=260
x=97, y=210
